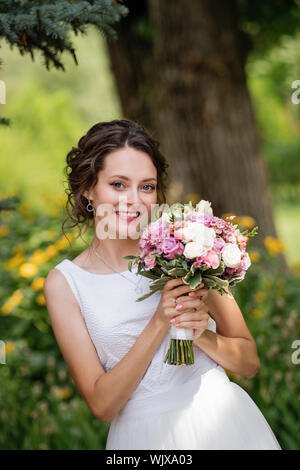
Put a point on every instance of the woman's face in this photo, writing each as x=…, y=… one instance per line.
x=126, y=185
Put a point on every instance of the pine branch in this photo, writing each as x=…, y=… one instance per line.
x=45, y=26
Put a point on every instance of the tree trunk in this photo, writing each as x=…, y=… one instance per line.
x=186, y=82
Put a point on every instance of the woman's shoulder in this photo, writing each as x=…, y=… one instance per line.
x=59, y=277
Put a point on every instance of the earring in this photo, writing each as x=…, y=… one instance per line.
x=89, y=207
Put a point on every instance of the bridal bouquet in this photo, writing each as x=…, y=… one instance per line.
x=190, y=242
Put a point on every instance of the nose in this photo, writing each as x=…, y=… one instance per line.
x=132, y=196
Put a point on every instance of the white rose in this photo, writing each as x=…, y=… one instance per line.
x=166, y=216
x=194, y=249
x=231, y=255
x=204, y=207
x=198, y=232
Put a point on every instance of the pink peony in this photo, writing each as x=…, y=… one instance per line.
x=219, y=244
x=171, y=247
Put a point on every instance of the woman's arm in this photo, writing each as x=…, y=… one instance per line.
x=233, y=346
x=120, y=382
x=104, y=392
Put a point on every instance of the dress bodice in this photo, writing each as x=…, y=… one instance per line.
x=114, y=321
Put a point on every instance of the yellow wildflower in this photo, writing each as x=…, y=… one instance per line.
x=28, y=270
x=41, y=299
x=260, y=296
x=12, y=302
x=257, y=313
x=65, y=392
x=38, y=257
x=267, y=283
x=13, y=262
x=63, y=242
x=38, y=283
x=254, y=256
x=50, y=251
x=246, y=221
x=4, y=230
x=6, y=308
x=24, y=208
x=274, y=245
x=9, y=347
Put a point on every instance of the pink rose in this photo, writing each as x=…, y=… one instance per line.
x=212, y=259
x=242, y=240
x=149, y=262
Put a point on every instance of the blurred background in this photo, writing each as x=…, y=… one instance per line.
x=216, y=91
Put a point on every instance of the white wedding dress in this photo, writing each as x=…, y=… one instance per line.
x=173, y=407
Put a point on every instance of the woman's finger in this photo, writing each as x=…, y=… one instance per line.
x=192, y=324
x=199, y=315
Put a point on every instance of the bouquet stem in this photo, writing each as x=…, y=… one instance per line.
x=180, y=352
x=180, y=347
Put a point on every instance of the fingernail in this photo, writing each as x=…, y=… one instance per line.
x=178, y=306
x=173, y=320
x=192, y=293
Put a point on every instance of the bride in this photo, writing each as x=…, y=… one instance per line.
x=114, y=347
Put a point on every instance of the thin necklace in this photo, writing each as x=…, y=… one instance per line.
x=137, y=289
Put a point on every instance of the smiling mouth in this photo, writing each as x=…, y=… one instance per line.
x=128, y=215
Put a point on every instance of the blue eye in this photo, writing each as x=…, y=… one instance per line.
x=152, y=188
x=117, y=182
x=150, y=185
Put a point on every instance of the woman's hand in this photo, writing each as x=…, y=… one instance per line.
x=193, y=311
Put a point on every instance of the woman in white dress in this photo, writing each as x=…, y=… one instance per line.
x=114, y=346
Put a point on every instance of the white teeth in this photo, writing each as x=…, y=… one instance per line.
x=128, y=214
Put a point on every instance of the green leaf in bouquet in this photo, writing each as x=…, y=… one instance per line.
x=196, y=280
x=187, y=277
x=129, y=265
x=250, y=233
x=148, y=294
x=177, y=272
x=193, y=269
x=157, y=270
x=173, y=262
x=161, y=281
x=130, y=257
x=150, y=275
x=219, y=282
x=219, y=270
x=208, y=283
x=185, y=265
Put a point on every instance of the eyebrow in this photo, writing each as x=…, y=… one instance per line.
x=127, y=179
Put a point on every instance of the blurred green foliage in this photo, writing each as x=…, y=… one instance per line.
x=49, y=112
x=270, y=79
x=270, y=304
x=40, y=407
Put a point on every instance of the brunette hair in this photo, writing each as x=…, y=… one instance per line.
x=88, y=158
